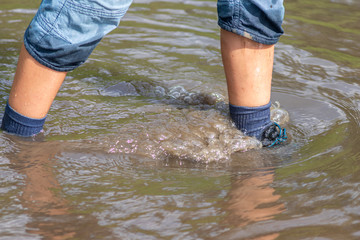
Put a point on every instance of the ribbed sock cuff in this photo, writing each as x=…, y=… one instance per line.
x=20, y=125
x=251, y=120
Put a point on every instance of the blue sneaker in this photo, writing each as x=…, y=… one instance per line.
x=273, y=135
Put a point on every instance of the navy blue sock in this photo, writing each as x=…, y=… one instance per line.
x=20, y=125
x=251, y=120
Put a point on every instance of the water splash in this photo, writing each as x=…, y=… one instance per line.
x=279, y=115
x=195, y=127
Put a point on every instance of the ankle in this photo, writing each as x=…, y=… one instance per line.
x=17, y=124
x=251, y=120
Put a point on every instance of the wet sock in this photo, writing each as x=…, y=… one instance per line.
x=251, y=120
x=20, y=125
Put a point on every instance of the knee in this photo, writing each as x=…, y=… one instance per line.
x=63, y=33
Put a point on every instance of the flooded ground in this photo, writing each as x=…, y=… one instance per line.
x=138, y=144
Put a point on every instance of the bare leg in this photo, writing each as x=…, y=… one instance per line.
x=248, y=68
x=34, y=88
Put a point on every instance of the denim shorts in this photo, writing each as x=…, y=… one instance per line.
x=63, y=33
x=258, y=20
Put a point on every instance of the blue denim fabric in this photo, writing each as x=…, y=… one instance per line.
x=259, y=20
x=63, y=33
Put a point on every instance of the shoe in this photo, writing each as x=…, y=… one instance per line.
x=273, y=135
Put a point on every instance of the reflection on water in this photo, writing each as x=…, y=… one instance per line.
x=138, y=144
x=41, y=198
x=249, y=196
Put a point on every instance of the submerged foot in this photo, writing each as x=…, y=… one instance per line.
x=273, y=135
x=258, y=122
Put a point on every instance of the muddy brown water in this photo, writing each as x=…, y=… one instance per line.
x=138, y=144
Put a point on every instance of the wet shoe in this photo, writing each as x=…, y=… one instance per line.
x=273, y=135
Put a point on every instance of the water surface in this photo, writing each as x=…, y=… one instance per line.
x=138, y=144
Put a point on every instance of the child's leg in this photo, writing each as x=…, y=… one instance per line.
x=60, y=38
x=248, y=68
x=34, y=88
x=249, y=31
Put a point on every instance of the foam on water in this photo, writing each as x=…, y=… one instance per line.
x=192, y=125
